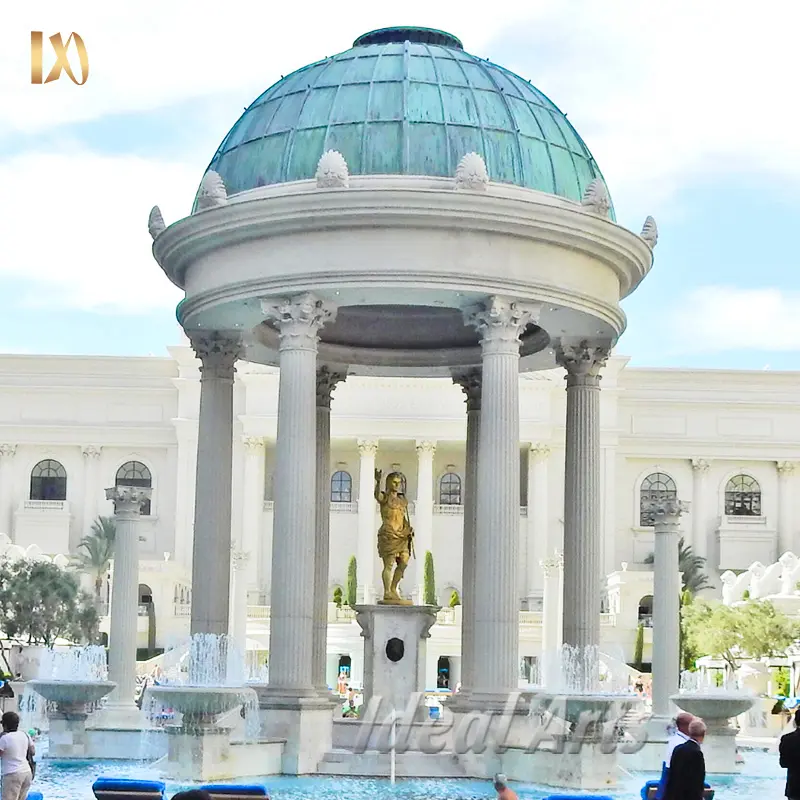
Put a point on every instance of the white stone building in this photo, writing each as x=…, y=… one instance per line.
x=726, y=441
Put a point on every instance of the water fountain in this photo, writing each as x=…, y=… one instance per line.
x=204, y=688
x=578, y=732
x=72, y=682
x=718, y=706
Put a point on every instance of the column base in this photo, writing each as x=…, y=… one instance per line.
x=67, y=736
x=305, y=723
x=649, y=756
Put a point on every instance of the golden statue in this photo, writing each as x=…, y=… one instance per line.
x=395, y=537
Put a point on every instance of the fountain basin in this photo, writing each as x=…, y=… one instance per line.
x=713, y=705
x=570, y=707
x=210, y=700
x=72, y=694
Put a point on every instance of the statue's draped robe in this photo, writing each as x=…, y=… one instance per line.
x=393, y=542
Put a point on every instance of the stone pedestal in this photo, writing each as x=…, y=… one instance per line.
x=67, y=735
x=567, y=765
x=395, y=639
x=719, y=747
x=197, y=755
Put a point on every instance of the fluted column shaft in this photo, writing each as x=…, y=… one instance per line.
x=551, y=618
x=91, y=457
x=583, y=544
x=211, y=549
x=367, y=532
x=292, y=599
x=666, y=603
x=699, y=543
x=785, y=523
x=253, y=511
x=128, y=504
x=538, y=456
x=496, y=609
x=240, y=560
x=326, y=381
x=423, y=512
x=7, y=452
x=470, y=384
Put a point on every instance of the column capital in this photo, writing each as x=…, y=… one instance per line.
x=500, y=322
x=701, y=465
x=253, y=444
x=327, y=379
x=91, y=452
x=553, y=565
x=298, y=319
x=471, y=383
x=128, y=500
x=665, y=511
x=786, y=468
x=367, y=447
x=426, y=448
x=218, y=353
x=539, y=451
x=582, y=361
x=7, y=450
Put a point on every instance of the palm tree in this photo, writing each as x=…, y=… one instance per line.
x=95, y=551
x=691, y=566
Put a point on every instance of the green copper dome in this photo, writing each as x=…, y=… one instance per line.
x=405, y=101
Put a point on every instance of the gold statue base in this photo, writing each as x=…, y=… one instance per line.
x=395, y=601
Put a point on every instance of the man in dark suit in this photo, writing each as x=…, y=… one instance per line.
x=789, y=750
x=687, y=769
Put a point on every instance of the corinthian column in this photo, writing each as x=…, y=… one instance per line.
x=537, y=513
x=326, y=382
x=423, y=512
x=496, y=636
x=128, y=502
x=552, y=595
x=211, y=550
x=253, y=512
x=298, y=321
x=240, y=559
x=785, y=497
x=367, y=532
x=470, y=383
x=666, y=603
x=6, y=472
x=583, y=543
x=700, y=468
x=91, y=458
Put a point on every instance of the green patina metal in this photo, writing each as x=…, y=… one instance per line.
x=405, y=101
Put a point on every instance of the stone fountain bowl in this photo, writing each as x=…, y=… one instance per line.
x=713, y=705
x=205, y=700
x=570, y=706
x=72, y=693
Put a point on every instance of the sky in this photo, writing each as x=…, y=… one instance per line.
x=689, y=109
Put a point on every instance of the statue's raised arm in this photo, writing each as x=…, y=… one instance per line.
x=378, y=493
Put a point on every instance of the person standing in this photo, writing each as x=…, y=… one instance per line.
x=16, y=748
x=678, y=736
x=687, y=769
x=789, y=751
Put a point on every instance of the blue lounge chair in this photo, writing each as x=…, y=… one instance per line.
x=236, y=791
x=127, y=789
x=651, y=787
x=578, y=797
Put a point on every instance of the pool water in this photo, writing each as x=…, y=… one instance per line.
x=72, y=780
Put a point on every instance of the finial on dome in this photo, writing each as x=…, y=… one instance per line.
x=212, y=191
x=596, y=198
x=650, y=232
x=155, y=222
x=471, y=173
x=332, y=171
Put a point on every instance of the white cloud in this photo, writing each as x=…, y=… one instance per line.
x=75, y=226
x=725, y=318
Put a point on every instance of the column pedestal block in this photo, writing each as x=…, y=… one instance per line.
x=304, y=723
x=395, y=645
x=67, y=736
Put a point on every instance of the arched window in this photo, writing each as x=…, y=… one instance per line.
x=646, y=611
x=656, y=486
x=134, y=473
x=450, y=489
x=48, y=481
x=743, y=497
x=341, y=487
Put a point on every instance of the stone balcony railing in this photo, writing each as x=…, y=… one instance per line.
x=44, y=505
x=446, y=509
